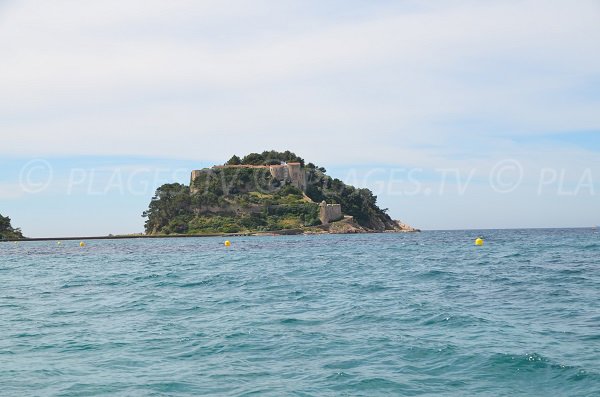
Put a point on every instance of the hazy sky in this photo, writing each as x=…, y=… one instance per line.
x=459, y=114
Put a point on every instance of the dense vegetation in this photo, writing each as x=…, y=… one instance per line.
x=359, y=203
x=6, y=229
x=236, y=208
x=232, y=200
x=266, y=158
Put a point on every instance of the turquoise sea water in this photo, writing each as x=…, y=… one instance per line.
x=335, y=315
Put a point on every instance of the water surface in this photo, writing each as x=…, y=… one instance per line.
x=336, y=315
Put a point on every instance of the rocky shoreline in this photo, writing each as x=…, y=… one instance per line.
x=349, y=226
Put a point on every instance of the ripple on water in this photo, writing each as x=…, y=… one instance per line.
x=365, y=315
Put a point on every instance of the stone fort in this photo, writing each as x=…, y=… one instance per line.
x=329, y=212
x=284, y=172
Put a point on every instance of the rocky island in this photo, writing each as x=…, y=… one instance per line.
x=268, y=192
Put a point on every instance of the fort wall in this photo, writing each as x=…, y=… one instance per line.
x=329, y=212
x=291, y=172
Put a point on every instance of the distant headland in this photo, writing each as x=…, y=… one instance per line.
x=7, y=232
x=266, y=193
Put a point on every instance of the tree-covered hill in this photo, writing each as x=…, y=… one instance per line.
x=238, y=199
x=7, y=231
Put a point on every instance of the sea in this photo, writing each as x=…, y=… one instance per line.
x=414, y=314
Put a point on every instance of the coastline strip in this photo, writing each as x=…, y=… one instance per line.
x=120, y=237
x=133, y=236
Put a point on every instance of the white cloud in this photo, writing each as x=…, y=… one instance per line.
x=204, y=79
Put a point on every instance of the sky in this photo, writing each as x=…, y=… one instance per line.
x=457, y=114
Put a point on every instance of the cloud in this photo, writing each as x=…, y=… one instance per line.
x=204, y=79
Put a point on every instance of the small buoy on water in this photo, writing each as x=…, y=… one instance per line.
x=479, y=241
x=81, y=244
x=227, y=243
x=58, y=243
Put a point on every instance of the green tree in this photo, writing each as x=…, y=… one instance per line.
x=171, y=201
x=234, y=160
x=6, y=229
x=253, y=159
x=272, y=157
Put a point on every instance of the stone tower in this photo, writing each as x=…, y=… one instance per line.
x=296, y=175
x=329, y=212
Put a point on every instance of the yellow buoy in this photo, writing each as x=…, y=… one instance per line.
x=479, y=241
x=81, y=244
x=58, y=243
x=227, y=243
